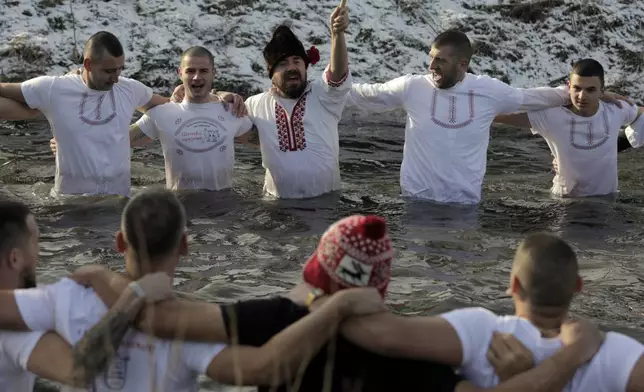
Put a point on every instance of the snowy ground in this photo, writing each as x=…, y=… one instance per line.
x=526, y=45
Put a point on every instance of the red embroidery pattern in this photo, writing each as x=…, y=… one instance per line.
x=291, y=135
x=452, y=112
x=97, y=110
x=590, y=135
x=339, y=83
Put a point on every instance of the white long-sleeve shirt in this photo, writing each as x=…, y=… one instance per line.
x=448, y=130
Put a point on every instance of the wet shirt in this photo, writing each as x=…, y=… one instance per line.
x=198, y=143
x=299, y=138
x=448, y=130
x=91, y=129
x=255, y=322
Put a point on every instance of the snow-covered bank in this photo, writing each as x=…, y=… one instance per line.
x=526, y=45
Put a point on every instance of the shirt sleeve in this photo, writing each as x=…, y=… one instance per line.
x=629, y=112
x=512, y=99
x=379, y=96
x=37, y=92
x=635, y=132
x=245, y=125
x=539, y=122
x=198, y=356
x=17, y=346
x=38, y=307
x=141, y=93
x=334, y=93
x=474, y=327
x=617, y=357
x=147, y=125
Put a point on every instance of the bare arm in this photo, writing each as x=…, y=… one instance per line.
x=289, y=351
x=250, y=138
x=14, y=111
x=339, y=66
x=519, y=120
x=10, y=316
x=12, y=91
x=171, y=319
x=52, y=359
x=636, y=380
x=137, y=137
x=156, y=100
x=425, y=338
x=553, y=374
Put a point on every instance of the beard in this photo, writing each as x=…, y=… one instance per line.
x=28, y=280
x=293, y=91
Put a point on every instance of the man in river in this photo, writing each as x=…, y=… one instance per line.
x=153, y=238
x=297, y=120
x=354, y=252
x=543, y=282
x=581, y=135
x=89, y=115
x=449, y=114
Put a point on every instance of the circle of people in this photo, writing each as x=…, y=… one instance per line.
x=107, y=331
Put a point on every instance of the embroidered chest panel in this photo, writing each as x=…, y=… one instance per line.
x=290, y=134
x=451, y=112
x=586, y=136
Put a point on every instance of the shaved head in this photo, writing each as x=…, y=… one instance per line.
x=198, y=51
x=546, y=266
x=102, y=43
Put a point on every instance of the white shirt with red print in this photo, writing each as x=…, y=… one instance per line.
x=448, y=130
x=299, y=138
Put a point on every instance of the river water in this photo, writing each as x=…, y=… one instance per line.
x=246, y=246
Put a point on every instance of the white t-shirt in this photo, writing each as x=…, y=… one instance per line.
x=299, y=138
x=143, y=363
x=608, y=371
x=635, y=132
x=198, y=143
x=15, y=350
x=448, y=130
x=584, y=147
x=91, y=129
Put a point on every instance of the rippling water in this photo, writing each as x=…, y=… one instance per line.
x=247, y=246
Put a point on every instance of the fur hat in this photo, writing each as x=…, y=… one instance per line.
x=285, y=44
x=354, y=252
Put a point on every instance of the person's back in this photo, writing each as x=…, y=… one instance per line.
x=142, y=363
x=254, y=322
x=608, y=371
x=198, y=143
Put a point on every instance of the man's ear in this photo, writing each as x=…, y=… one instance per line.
x=121, y=244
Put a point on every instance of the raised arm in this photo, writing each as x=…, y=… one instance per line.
x=519, y=120
x=339, y=66
x=379, y=96
x=288, y=352
x=14, y=111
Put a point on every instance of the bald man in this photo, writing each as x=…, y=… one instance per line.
x=89, y=115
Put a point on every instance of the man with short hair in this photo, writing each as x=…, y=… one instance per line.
x=197, y=135
x=449, y=114
x=581, y=135
x=153, y=238
x=23, y=355
x=543, y=282
x=89, y=115
x=354, y=252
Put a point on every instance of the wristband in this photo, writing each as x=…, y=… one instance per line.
x=137, y=289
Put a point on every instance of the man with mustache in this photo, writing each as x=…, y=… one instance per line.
x=23, y=355
x=89, y=116
x=449, y=114
x=296, y=121
x=582, y=135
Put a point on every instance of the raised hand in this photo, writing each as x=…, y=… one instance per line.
x=339, y=20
